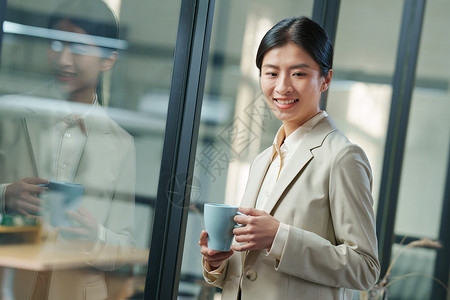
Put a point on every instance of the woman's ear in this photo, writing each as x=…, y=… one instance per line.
x=109, y=62
x=326, y=81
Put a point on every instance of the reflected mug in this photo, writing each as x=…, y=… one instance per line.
x=61, y=196
x=219, y=225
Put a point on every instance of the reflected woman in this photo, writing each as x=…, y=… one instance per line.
x=309, y=231
x=73, y=139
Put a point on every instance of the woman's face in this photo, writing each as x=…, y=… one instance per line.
x=76, y=66
x=292, y=85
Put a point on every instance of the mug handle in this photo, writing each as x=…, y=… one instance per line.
x=237, y=224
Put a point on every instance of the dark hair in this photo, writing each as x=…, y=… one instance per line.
x=303, y=32
x=93, y=16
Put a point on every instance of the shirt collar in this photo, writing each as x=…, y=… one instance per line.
x=82, y=117
x=294, y=139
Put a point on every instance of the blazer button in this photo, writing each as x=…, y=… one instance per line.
x=251, y=275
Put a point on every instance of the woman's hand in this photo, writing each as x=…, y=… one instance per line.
x=259, y=230
x=21, y=196
x=86, y=229
x=213, y=258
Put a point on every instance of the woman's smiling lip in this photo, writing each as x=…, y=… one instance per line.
x=285, y=103
x=65, y=76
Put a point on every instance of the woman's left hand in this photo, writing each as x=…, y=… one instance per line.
x=258, y=232
x=86, y=229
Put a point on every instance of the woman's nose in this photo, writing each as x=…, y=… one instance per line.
x=284, y=85
x=65, y=55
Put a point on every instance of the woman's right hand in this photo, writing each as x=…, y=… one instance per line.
x=213, y=258
x=21, y=196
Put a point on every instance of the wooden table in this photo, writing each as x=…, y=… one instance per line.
x=42, y=257
x=28, y=251
x=28, y=234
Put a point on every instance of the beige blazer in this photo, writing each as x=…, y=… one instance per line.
x=106, y=167
x=324, y=195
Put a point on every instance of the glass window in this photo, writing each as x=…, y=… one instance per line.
x=359, y=98
x=424, y=169
x=84, y=101
x=235, y=123
x=412, y=281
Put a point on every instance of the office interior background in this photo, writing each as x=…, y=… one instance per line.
x=186, y=87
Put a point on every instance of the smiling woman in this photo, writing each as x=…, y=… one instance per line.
x=78, y=64
x=309, y=225
x=292, y=84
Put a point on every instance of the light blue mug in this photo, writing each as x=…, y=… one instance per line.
x=61, y=196
x=219, y=225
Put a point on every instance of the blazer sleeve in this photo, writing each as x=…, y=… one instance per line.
x=117, y=233
x=351, y=262
x=215, y=278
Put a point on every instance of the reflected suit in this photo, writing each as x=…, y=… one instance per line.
x=105, y=165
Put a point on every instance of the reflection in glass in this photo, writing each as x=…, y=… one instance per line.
x=59, y=135
x=78, y=106
x=360, y=96
x=424, y=169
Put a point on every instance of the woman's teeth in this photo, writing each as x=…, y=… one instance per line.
x=66, y=74
x=286, y=101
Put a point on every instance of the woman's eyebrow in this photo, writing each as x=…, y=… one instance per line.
x=297, y=66
x=270, y=66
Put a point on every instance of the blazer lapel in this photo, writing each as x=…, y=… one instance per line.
x=299, y=161
x=97, y=130
x=39, y=142
x=33, y=141
x=260, y=167
x=302, y=157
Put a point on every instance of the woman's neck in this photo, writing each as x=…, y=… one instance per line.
x=86, y=97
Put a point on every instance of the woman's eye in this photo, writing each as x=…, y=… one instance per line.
x=56, y=46
x=83, y=49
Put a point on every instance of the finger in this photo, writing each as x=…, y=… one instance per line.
x=32, y=191
x=245, y=238
x=203, y=239
x=240, y=230
x=35, y=180
x=214, y=254
x=73, y=231
x=243, y=247
x=35, y=189
x=240, y=219
x=251, y=211
x=217, y=260
x=25, y=207
x=210, y=252
x=22, y=212
x=217, y=255
x=31, y=199
x=77, y=217
x=84, y=212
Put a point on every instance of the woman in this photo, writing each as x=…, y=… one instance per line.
x=309, y=231
x=73, y=139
